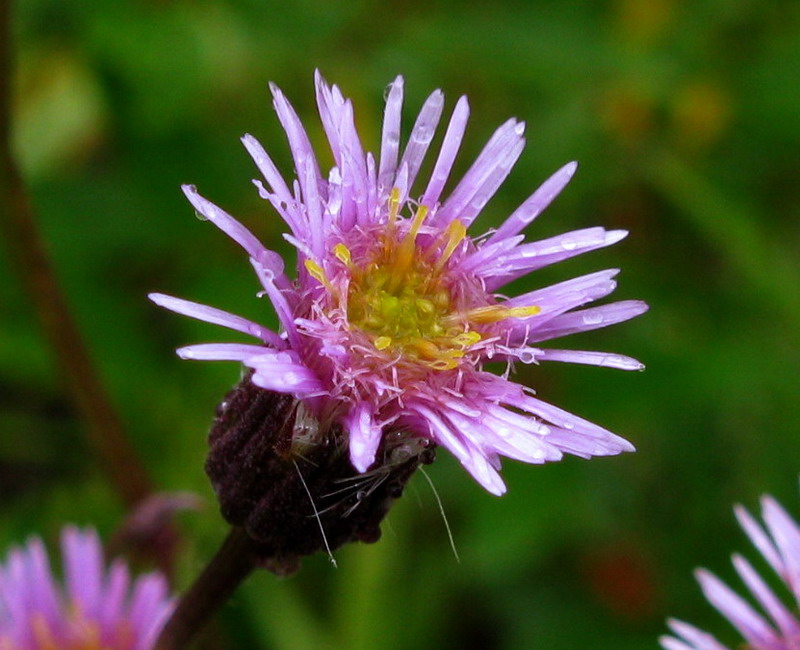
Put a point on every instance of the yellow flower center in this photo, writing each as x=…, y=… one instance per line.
x=402, y=298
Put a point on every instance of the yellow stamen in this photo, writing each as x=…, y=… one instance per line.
x=495, y=313
x=429, y=350
x=426, y=349
x=467, y=339
x=456, y=231
x=443, y=364
x=419, y=217
x=523, y=312
x=343, y=254
x=316, y=272
x=382, y=342
x=405, y=252
x=394, y=208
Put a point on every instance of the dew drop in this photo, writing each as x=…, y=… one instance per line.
x=592, y=319
x=423, y=134
x=569, y=244
x=479, y=202
x=200, y=217
x=393, y=138
x=221, y=408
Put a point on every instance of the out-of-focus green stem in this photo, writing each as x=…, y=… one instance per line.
x=29, y=258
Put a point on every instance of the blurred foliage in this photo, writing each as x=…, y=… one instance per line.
x=685, y=118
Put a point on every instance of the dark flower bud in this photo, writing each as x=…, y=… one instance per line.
x=289, y=483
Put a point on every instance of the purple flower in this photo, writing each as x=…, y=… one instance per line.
x=96, y=608
x=395, y=310
x=779, y=544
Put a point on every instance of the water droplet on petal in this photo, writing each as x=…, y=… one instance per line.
x=592, y=318
x=479, y=202
x=423, y=134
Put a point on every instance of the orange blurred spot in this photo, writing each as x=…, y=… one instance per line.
x=622, y=579
x=702, y=113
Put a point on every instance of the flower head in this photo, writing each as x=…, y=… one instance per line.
x=395, y=308
x=96, y=609
x=779, y=545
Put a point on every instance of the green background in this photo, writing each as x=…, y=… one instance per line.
x=685, y=118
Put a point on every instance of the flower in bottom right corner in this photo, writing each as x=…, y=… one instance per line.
x=776, y=626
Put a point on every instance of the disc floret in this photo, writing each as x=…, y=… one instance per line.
x=400, y=298
x=402, y=295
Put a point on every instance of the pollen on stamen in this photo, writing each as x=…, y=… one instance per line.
x=317, y=272
x=456, y=231
x=444, y=364
x=382, y=342
x=496, y=313
x=405, y=252
x=467, y=339
x=394, y=209
x=343, y=254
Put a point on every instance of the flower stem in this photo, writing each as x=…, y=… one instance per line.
x=233, y=562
